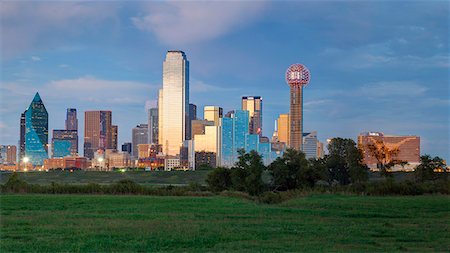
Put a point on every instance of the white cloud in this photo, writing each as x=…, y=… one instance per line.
x=393, y=88
x=35, y=58
x=178, y=23
x=200, y=86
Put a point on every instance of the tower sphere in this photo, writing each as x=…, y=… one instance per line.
x=297, y=75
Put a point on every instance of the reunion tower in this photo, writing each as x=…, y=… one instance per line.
x=297, y=76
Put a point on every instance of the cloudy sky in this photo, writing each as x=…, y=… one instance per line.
x=375, y=66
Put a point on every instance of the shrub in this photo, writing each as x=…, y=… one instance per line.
x=270, y=198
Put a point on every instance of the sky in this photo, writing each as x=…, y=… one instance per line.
x=375, y=65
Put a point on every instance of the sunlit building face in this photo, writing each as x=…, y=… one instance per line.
x=174, y=102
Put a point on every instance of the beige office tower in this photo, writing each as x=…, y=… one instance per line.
x=213, y=113
x=254, y=107
x=174, y=103
x=97, y=132
x=283, y=129
x=210, y=141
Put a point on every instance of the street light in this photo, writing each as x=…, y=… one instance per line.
x=26, y=160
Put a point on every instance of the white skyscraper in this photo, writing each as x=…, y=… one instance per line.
x=174, y=103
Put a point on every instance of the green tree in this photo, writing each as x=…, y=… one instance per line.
x=344, y=162
x=385, y=156
x=292, y=171
x=219, y=179
x=427, y=168
x=247, y=173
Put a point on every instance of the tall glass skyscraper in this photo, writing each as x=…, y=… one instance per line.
x=36, y=132
x=174, y=103
x=139, y=135
x=64, y=143
x=71, y=119
x=310, y=144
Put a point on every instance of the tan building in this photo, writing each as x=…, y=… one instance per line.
x=320, y=150
x=408, y=146
x=283, y=129
x=97, y=132
x=118, y=159
x=11, y=154
x=254, y=106
x=198, y=126
x=66, y=162
x=213, y=113
x=209, y=142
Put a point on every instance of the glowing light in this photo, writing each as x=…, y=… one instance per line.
x=26, y=159
x=100, y=159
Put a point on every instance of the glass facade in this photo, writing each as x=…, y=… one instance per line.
x=174, y=102
x=252, y=142
x=310, y=144
x=227, y=142
x=97, y=132
x=61, y=148
x=71, y=136
x=240, y=127
x=22, y=136
x=36, y=132
x=71, y=119
x=153, y=126
x=254, y=106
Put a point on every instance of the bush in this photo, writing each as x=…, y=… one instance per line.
x=270, y=198
x=219, y=179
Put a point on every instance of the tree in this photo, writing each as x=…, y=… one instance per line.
x=219, y=179
x=428, y=167
x=293, y=171
x=344, y=162
x=385, y=156
x=247, y=173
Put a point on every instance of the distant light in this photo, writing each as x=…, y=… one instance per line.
x=26, y=159
x=100, y=159
x=25, y=169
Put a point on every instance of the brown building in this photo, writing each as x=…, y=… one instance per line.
x=254, y=106
x=97, y=132
x=11, y=154
x=66, y=162
x=409, y=147
x=205, y=158
x=114, y=136
x=117, y=159
x=198, y=127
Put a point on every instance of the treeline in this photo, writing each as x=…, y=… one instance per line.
x=342, y=170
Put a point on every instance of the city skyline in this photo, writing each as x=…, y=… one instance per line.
x=410, y=97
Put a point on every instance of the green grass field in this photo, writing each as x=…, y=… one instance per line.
x=101, y=177
x=93, y=223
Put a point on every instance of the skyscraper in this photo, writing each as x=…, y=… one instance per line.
x=97, y=132
x=71, y=119
x=153, y=126
x=126, y=147
x=64, y=143
x=193, y=111
x=114, y=136
x=283, y=132
x=213, y=113
x=22, y=136
x=174, y=103
x=139, y=135
x=297, y=76
x=36, y=131
x=310, y=143
x=233, y=136
x=254, y=106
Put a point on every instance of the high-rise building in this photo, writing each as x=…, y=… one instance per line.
x=64, y=143
x=114, y=136
x=233, y=136
x=71, y=119
x=408, y=147
x=174, y=103
x=283, y=130
x=8, y=154
x=254, y=106
x=127, y=147
x=36, y=132
x=198, y=126
x=192, y=116
x=193, y=111
x=153, y=126
x=240, y=129
x=310, y=144
x=320, y=150
x=97, y=132
x=213, y=113
x=22, y=136
x=297, y=76
x=209, y=141
x=139, y=135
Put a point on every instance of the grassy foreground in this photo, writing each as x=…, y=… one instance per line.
x=102, y=177
x=74, y=223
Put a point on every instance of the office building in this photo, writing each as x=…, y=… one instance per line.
x=283, y=129
x=174, y=103
x=97, y=132
x=69, y=162
x=71, y=119
x=203, y=158
x=213, y=113
x=310, y=145
x=114, y=136
x=127, y=147
x=117, y=159
x=139, y=135
x=193, y=111
x=198, y=126
x=297, y=76
x=320, y=150
x=254, y=106
x=408, y=146
x=233, y=136
x=8, y=154
x=153, y=126
x=22, y=136
x=209, y=141
x=64, y=143
x=36, y=132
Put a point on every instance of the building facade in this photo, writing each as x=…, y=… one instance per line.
x=36, y=132
x=408, y=146
x=139, y=135
x=97, y=132
x=283, y=129
x=310, y=145
x=153, y=126
x=114, y=136
x=8, y=154
x=71, y=119
x=254, y=106
x=174, y=103
x=22, y=136
x=64, y=143
x=127, y=147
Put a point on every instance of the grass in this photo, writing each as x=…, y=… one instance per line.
x=74, y=223
x=101, y=177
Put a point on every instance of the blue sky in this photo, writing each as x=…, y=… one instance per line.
x=375, y=66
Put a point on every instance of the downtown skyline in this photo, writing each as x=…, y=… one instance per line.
x=396, y=83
